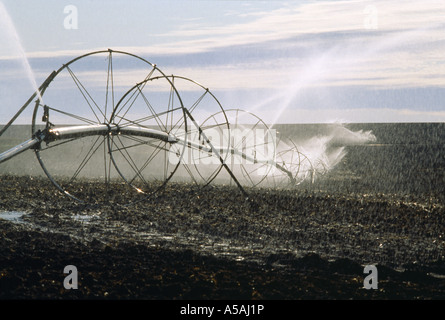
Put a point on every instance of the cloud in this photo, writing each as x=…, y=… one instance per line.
x=354, y=115
x=293, y=48
x=194, y=34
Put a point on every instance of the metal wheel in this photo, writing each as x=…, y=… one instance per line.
x=207, y=135
x=78, y=113
x=148, y=161
x=292, y=166
x=251, y=152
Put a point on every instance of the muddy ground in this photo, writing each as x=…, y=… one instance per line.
x=192, y=243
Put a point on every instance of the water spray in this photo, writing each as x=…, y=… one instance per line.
x=146, y=141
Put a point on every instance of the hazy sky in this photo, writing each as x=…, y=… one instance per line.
x=286, y=61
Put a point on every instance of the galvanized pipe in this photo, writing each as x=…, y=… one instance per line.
x=58, y=133
x=69, y=132
x=103, y=129
x=19, y=149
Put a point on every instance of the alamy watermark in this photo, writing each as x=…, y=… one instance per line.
x=71, y=21
x=70, y=281
x=372, y=278
x=371, y=21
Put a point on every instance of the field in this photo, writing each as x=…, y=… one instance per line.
x=190, y=242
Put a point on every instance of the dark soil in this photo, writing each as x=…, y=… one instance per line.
x=192, y=243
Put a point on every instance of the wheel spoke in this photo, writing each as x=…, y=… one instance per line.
x=170, y=103
x=110, y=80
x=153, y=112
x=244, y=169
x=140, y=143
x=203, y=129
x=155, y=152
x=85, y=94
x=139, y=121
x=87, y=157
x=165, y=164
x=133, y=96
x=73, y=116
x=189, y=171
x=57, y=144
x=179, y=123
x=130, y=161
x=107, y=158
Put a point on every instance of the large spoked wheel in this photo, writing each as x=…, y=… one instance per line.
x=292, y=166
x=84, y=99
x=208, y=133
x=149, y=160
x=190, y=143
x=251, y=152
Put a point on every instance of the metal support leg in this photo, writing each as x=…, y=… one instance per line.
x=42, y=87
x=201, y=133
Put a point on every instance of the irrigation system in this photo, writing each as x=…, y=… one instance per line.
x=92, y=118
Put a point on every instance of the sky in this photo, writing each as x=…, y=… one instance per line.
x=285, y=61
